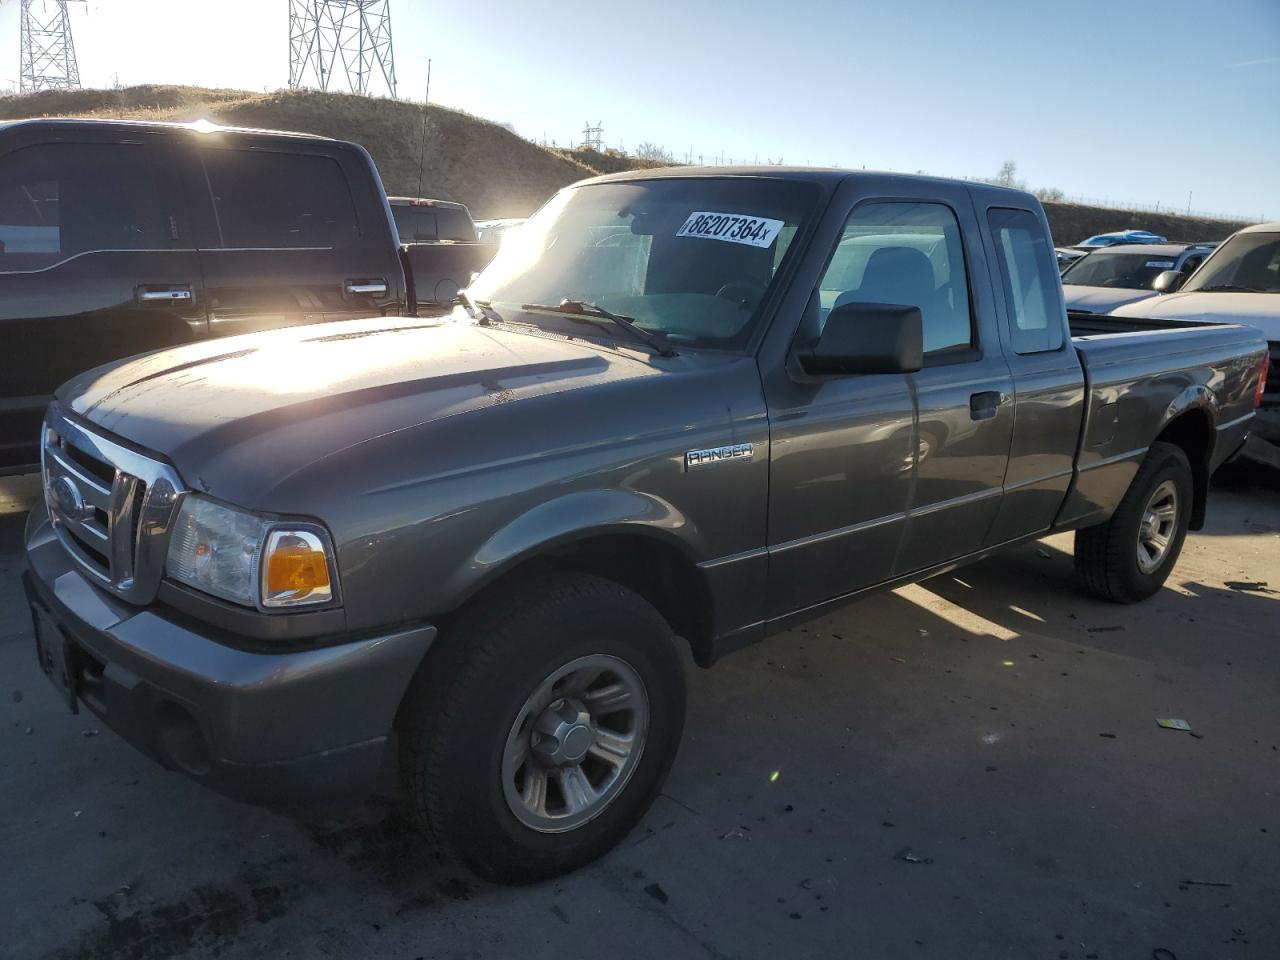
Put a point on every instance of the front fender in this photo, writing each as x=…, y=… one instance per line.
x=576, y=516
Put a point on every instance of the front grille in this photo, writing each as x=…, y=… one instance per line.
x=111, y=507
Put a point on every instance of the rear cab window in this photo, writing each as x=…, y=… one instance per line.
x=1029, y=279
x=414, y=224
x=265, y=199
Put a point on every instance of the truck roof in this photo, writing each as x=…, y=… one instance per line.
x=824, y=175
x=197, y=127
x=425, y=202
x=1150, y=249
x=1261, y=228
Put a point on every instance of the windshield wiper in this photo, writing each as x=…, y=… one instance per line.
x=480, y=310
x=584, y=311
x=1229, y=288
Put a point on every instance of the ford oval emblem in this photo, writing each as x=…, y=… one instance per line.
x=66, y=497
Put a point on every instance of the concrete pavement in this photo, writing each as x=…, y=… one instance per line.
x=968, y=767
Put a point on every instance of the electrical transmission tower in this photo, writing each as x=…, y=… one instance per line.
x=341, y=45
x=48, y=53
x=593, y=137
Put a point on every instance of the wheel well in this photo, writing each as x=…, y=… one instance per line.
x=1193, y=432
x=654, y=569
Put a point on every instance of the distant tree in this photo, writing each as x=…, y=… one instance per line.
x=654, y=153
x=1051, y=194
x=1008, y=175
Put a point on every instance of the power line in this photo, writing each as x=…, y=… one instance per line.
x=593, y=137
x=341, y=44
x=48, y=52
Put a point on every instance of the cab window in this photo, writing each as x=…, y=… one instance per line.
x=904, y=253
x=58, y=200
x=1029, y=278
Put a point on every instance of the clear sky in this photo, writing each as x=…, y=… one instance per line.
x=1115, y=99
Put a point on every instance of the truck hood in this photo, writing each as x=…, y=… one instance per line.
x=239, y=415
x=1101, y=299
x=1261, y=310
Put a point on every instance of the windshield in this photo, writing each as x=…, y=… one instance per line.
x=1247, y=262
x=689, y=258
x=1106, y=268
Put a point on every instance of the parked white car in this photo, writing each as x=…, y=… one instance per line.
x=1126, y=273
x=1238, y=283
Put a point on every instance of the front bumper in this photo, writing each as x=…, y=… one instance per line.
x=299, y=727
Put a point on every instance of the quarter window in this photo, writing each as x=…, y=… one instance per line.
x=265, y=199
x=1030, y=280
x=909, y=254
x=58, y=200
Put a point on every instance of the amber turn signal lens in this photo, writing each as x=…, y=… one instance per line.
x=295, y=569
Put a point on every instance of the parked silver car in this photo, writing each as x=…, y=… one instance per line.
x=1110, y=278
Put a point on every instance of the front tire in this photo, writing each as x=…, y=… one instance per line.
x=542, y=726
x=1129, y=557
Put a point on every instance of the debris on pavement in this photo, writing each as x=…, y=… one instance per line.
x=1045, y=554
x=90, y=733
x=1207, y=883
x=1104, y=629
x=1109, y=736
x=907, y=855
x=17, y=696
x=1173, y=724
x=655, y=890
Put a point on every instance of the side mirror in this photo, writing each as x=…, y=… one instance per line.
x=867, y=338
x=1168, y=281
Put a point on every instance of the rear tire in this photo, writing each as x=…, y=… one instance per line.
x=1129, y=557
x=495, y=724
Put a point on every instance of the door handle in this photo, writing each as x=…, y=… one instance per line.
x=985, y=405
x=366, y=288
x=157, y=294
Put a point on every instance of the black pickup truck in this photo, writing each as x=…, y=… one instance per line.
x=119, y=237
x=680, y=409
x=440, y=247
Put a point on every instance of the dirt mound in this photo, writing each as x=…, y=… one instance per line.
x=1071, y=223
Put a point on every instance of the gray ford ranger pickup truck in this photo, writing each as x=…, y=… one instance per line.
x=682, y=409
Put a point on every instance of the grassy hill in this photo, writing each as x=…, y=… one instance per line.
x=489, y=168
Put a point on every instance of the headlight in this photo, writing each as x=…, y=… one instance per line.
x=246, y=559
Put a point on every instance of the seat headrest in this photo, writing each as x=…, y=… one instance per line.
x=897, y=275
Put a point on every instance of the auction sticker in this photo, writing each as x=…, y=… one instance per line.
x=731, y=227
x=1166, y=264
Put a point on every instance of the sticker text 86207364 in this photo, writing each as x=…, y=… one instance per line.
x=731, y=227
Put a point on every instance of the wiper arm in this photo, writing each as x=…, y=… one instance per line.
x=1228, y=288
x=584, y=311
x=481, y=310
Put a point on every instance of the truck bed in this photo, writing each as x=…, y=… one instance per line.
x=1103, y=324
x=1140, y=372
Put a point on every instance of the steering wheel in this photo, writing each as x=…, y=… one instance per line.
x=745, y=293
